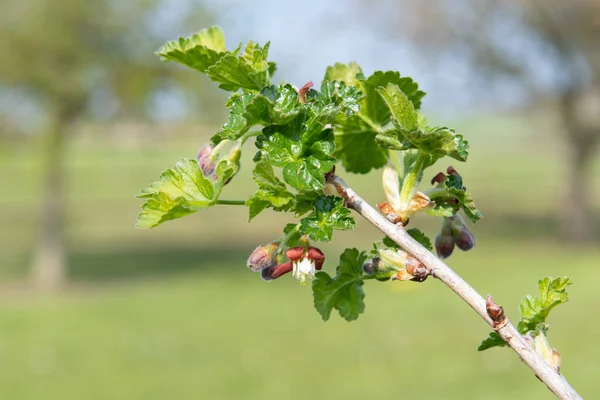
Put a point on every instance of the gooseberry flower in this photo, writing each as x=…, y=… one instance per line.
x=303, y=263
x=263, y=257
x=207, y=160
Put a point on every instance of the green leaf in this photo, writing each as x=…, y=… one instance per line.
x=249, y=71
x=343, y=293
x=421, y=238
x=181, y=191
x=356, y=144
x=343, y=73
x=199, y=51
x=273, y=105
x=493, y=340
x=339, y=94
x=236, y=124
x=535, y=309
x=304, y=158
x=412, y=132
x=465, y=200
x=356, y=147
x=272, y=192
x=403, y=113
x=294, y=239
x=329, y=214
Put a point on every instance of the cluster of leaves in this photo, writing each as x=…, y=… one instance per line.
x=363, y=122
x=535, y=310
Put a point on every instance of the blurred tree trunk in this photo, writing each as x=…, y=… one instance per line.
x=50, y=256
x=578, y=219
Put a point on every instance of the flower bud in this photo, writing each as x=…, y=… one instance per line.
x=263, y=257
x=444, y=245
x=369, y=267
x=207, y=160
x=462, y=237
x=303, y=91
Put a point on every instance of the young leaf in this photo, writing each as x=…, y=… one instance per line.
x=455, y=190
x=181, y=191
x=343, y=73
x=355, y=135
x=535, y=309
x=250, y=71
x=421, y=238
x=403, y=113
x=344, y=292
x=412, y=132
x=272, y=192
x=199, y=51
x=304, y=161
x=329, y=214
x=446, y=202
x=493, y=340
x=237, y=124
x=274, y=105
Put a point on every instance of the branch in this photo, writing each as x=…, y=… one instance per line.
x=491, y=313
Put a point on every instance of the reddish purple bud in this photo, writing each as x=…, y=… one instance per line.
x=462, y=237
x=444, y=245
x=282, y=269
x=303, y=91
x=452, y=171
x=439, y=178
x=295, y=253
x=263, y=257
x=207, y=160
x=317, y=256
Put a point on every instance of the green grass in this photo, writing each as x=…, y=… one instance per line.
x=222, y=333
x=172, y=313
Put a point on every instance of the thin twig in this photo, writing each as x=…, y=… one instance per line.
x=552, y=378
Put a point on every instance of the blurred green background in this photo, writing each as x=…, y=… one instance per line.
x=88, y=116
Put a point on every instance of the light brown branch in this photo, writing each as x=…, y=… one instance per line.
x=548, y=375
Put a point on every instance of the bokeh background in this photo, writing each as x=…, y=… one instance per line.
x=91, y=308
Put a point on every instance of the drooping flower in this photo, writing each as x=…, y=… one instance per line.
x=454, y=232
x=264, y=257
x=303, y=263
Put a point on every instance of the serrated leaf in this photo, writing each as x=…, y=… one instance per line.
x=343, y=293
x=446, y=204
x=272, y=192
x=199, y=51
x=374, y=105
x=343, y=73
x=493, y=340
x=421, y=238
x=412, y=133
x=304, y=158
x=249, y=71
x=465, y=200
x=273, y=105
x=402, y=110
x=181, y=191
x=535, y=309
x=329, y=214
x=356, y=144
x=356, y=147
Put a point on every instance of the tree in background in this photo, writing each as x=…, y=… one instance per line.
x=550, y=49
x=68, y=58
